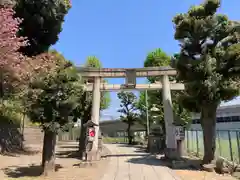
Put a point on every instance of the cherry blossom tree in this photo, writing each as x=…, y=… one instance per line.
x=10, y=58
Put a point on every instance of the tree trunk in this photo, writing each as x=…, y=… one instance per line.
x=129, y=131
x=163, y=145
x=48, y=154
x=146, y=130
x=82, y=139
x=208, y=123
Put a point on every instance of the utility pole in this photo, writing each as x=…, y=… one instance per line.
x=147, y=118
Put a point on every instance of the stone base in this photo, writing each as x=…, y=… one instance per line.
x=154, y=144
x=85, y=164
x=209, y=167
x=92, y=156
x=179, y=164
x=172, y=154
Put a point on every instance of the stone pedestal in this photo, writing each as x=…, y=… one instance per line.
x=175, y=153
x=172, y=154
x=86, y=164
x=154, y=144
x=181, y=148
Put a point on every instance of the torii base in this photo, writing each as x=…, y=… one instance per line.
x=92, y=156
x=175, y=154
x=172, y=154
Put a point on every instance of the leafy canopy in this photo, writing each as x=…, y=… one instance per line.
x=208, y=62
x=128, y=108
x=142, y=108
x=154, y=59
x=84, y=99
x=182, y=117
x=42, y=22
x=52, y=96
x=93, y=61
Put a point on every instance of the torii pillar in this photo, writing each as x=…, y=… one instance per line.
x=171, y=151
x=94, y=153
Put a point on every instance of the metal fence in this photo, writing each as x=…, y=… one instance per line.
x=73, y=134
x=227, y=143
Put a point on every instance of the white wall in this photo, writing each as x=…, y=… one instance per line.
x=224, y=111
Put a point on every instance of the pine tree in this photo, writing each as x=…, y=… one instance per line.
x=208, y=64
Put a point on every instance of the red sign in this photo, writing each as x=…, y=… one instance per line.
x=91, y=132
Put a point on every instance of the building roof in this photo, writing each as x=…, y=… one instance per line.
x=229, y=106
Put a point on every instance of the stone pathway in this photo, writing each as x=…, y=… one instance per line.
x=128, y=163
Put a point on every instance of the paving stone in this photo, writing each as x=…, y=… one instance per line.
x=128, y=164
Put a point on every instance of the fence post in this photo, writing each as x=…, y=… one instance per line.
x=197, y=143
x=238, y=146
x=71, y=133
x=230, y=145
x=192, y=141
x=187, y=142
x=219, y=143
x=59, y=136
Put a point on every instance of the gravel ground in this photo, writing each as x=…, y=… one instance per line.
x=193, y=173
x=201, y=175
x=27, y=167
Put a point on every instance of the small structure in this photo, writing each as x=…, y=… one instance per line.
x=91, y=134
x=155, y=143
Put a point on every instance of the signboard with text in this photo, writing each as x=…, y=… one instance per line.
x=179, y=132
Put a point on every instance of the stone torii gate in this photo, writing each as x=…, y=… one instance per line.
x=96, y=74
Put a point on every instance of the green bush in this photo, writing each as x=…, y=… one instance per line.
x=10, y=112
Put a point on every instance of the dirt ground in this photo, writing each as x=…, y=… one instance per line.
x=193, y=172
x=27, y=167
x=201, y=175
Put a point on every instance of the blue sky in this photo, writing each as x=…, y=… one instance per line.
x=121, y=33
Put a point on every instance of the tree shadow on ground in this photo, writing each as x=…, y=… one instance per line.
x=141, y=149
x=68, y=150
x=183, y=164
x=29, y=171
x=68, y=146
x=16, y=153
x=130, y=145
x=124, y=145
x=75, y=154
x=148, y=160
x=68, y=154
x=125, y=155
